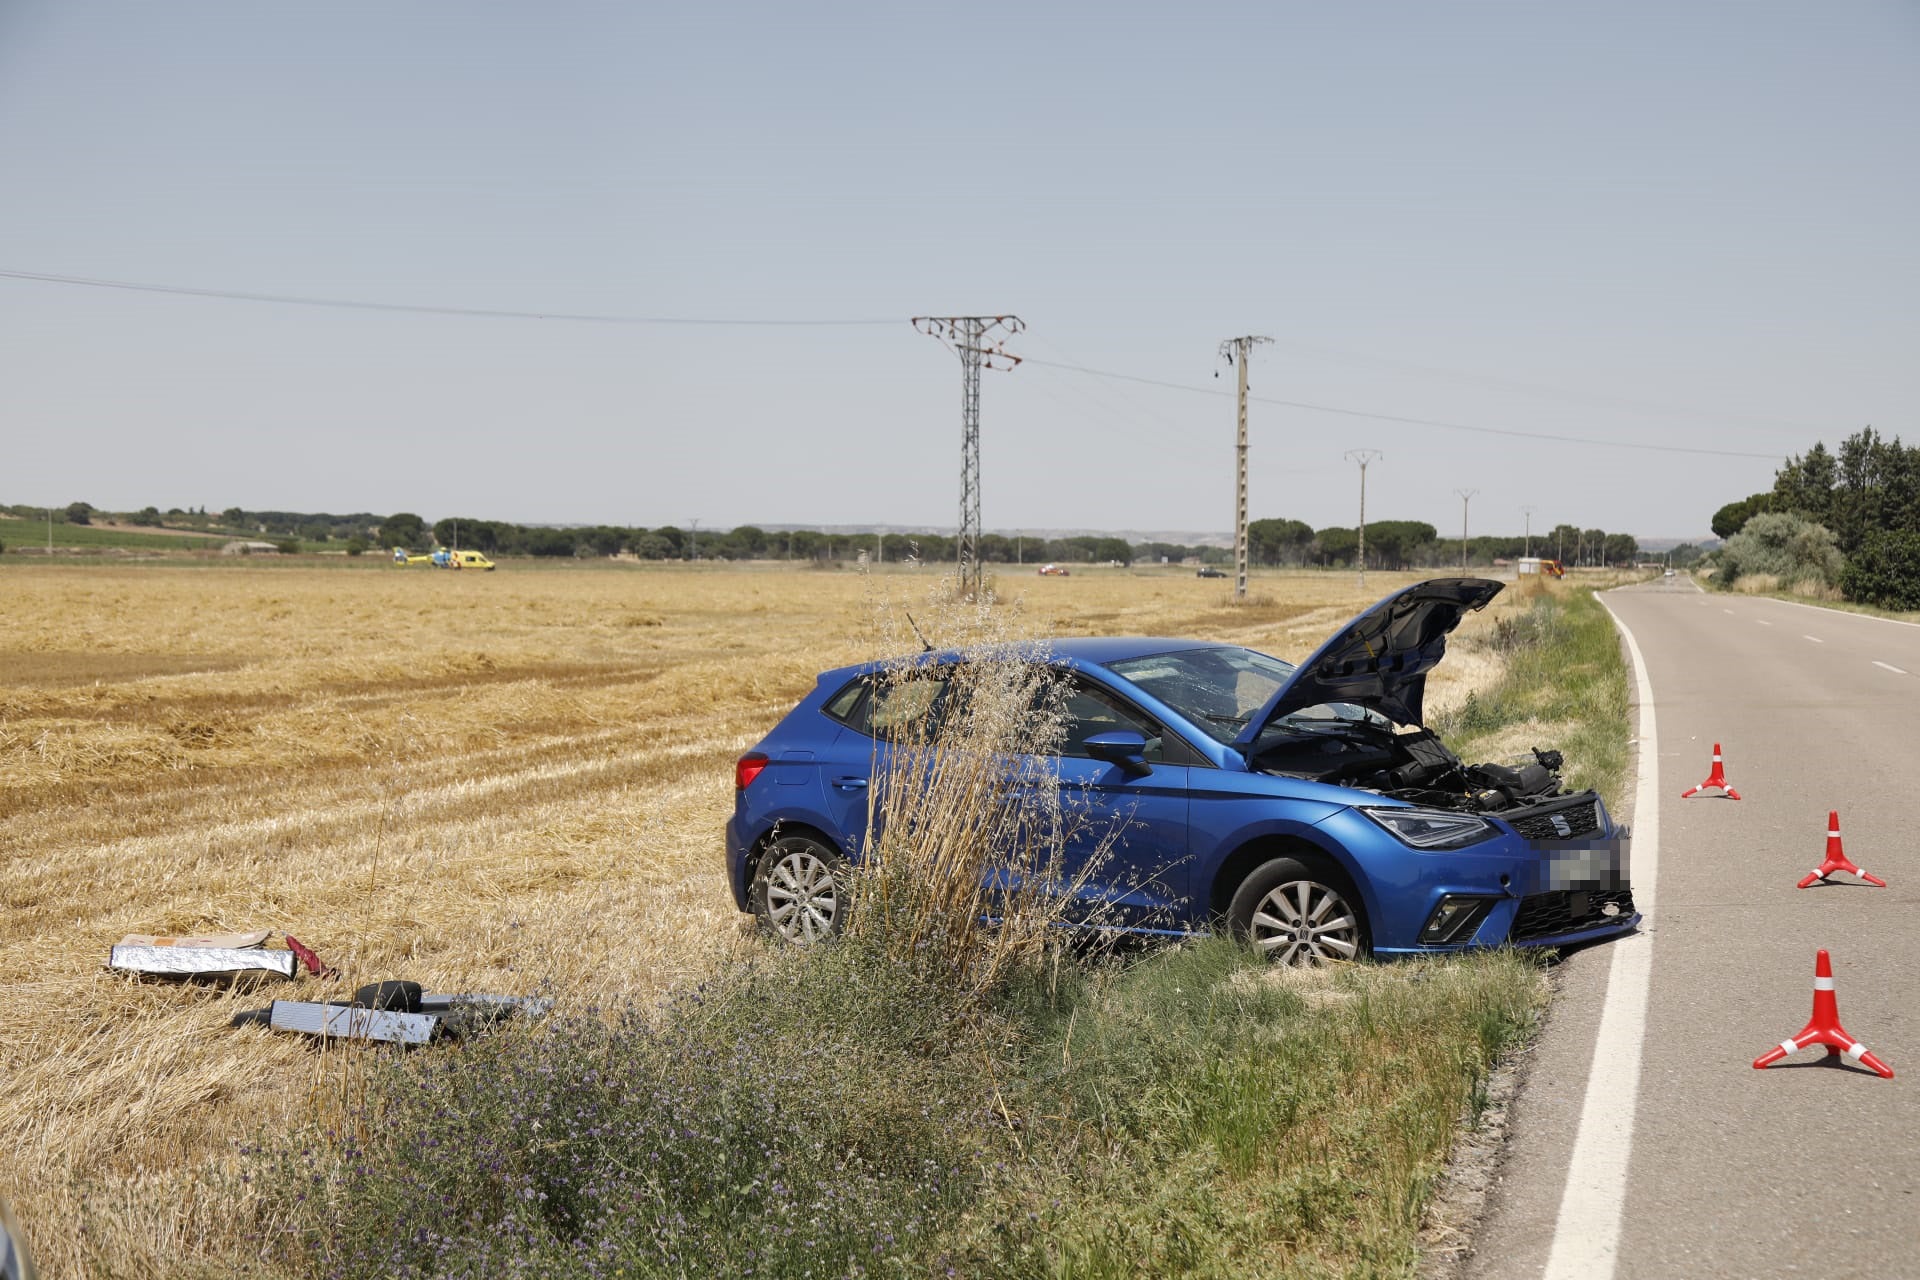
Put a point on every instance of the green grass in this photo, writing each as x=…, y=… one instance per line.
x=1564, y=688
x=24, y=535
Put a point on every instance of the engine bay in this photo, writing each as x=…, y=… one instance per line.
x=1414, y=766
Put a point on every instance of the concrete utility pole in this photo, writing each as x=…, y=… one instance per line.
x=1363, y=457
x=1466, y=496
x=966, y=337
x=693, y=543
x=1528, y=512
x=1228, y=349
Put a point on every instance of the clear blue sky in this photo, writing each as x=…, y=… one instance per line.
x=1684, y=224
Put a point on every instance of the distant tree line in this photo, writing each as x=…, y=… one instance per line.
x=1391, y=544
x=1864, y=501
x=1408, y=544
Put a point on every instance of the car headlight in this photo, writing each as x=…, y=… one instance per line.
x=1431, y=828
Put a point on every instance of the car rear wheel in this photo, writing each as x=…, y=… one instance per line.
x=1298, y=913
x=800, y=890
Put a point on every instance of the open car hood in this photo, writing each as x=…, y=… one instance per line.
x=1379, y=660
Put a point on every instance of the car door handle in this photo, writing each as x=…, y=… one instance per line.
x=850, y=784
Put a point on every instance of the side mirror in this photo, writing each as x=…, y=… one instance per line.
x=1125, y=748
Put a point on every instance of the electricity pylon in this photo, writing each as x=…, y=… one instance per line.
x=1363, y=457
x=1228, y=348
x=1466, y=496
x=966, y=337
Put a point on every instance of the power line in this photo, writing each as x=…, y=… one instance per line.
x=1553, y=437
x=411, y=308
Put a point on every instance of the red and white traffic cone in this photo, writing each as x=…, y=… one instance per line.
x=1718, y=778
x=1837, y=859
x=1824, y=1028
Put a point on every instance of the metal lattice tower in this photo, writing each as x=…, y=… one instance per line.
x=1229, y=349
x=967, y=337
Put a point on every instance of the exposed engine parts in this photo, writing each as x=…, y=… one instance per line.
x=1415, y=766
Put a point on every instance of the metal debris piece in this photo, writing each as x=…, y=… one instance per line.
x=186, y=962
x=439, y=1016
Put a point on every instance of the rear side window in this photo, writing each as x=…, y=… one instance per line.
x=877, y=706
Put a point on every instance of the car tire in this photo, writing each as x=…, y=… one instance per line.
x=800, y=891
x=1299, y=912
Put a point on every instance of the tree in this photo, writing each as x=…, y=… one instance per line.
x=1787, y=547
x=1619, y=549
x=234, y=518
x=1277, y=541
x=1336, y=545
x=356, y=545
x=1733, y=517
x=1885, y=571
x=1391, y=544
x=149, y=516
x=79, y=513
x=1805, y=485
x=404, y=529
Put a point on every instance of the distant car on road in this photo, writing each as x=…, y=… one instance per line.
x=1303, y=808
x=1054, y=571
x=1208, y=571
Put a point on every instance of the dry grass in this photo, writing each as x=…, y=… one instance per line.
x=486, y=782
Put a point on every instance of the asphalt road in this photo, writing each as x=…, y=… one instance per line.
x=1805, y=1168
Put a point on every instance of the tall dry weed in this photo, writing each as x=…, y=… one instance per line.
x=964, y=874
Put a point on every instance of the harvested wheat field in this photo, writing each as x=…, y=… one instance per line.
x=498, y=782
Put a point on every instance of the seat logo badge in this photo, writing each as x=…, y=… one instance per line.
x=1561, y=825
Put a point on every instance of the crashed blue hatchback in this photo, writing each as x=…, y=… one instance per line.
x=1303, y=807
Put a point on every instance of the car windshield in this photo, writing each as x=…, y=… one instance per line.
x=1220, y=689
x=1216, y=689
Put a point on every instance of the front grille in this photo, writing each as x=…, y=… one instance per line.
x=1542, y=915
x=1580, y=818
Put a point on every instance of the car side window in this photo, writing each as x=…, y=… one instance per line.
x=878, y=706
x=1092, y=710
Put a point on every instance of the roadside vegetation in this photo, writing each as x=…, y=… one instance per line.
x=1564, y=685
x=1835, y=525
x=514, y=782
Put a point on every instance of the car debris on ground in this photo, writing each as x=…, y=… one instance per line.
x=218, y=955
x=395, y=1013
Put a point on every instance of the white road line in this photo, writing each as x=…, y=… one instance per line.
x=1763, y=622
x=1845, y=613
x=1815, y=639
x=1728, y=612
x=1586, y=1235
x=1888, y=666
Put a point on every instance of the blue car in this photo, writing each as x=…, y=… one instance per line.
x=1305, y=808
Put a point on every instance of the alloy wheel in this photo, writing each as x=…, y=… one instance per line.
x=803, y=900
x=1304, y=922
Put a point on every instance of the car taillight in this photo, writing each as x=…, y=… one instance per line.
x=747, y=768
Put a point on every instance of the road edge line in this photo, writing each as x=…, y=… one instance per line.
x=1842, y=613
x=1586, y=1234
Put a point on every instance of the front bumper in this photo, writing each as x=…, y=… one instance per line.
x=1537, y=893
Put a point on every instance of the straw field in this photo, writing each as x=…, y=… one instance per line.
x=502, y=782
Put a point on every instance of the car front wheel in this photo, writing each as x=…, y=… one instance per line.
x=799, y=890
x=1295, y=913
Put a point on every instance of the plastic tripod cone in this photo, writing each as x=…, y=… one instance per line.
x=1717, y=778
x=1837, y=859
x=1824, y=1028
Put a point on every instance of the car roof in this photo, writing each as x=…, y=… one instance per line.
x=1101, y=650
x=1084, y=650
